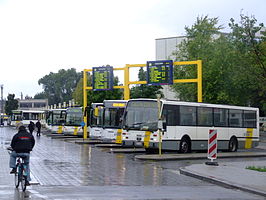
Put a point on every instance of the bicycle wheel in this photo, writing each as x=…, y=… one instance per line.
x=23, y=183
x=23, y=177
x=17, y=179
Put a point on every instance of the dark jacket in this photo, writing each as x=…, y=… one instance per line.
x=22, y=142
x=38, y=124
x=31, y=126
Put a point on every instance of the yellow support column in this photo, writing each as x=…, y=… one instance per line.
x=85, y=103
x=199, y=66
x=126, y=83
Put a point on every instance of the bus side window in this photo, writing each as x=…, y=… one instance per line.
x=170, y=114
x=250, y=119
x=187, y=115
x=220, y=117
x=235, y=118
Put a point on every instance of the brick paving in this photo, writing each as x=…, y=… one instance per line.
x=70, y=171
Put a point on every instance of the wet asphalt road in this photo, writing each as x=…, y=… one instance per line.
x=67, y=170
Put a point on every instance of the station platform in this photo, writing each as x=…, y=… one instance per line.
x=233, y=174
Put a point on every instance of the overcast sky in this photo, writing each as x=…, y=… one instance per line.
x=42, y=36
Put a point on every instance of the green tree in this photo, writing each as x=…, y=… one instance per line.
x=145, y=91
x=58, y=87
x=232, y=63
x=251, y=53
x=11, y=104
x=201, y=44
x=40, y=95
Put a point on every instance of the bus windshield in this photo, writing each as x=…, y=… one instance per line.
x=58, y=117
x=74, y=117
x=112, y=117
x=141, y=115
x=96, y=121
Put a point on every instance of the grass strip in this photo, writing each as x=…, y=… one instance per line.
x=259, y=169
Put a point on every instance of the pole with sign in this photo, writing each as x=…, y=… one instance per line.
x=102, y=78
x=160, y=72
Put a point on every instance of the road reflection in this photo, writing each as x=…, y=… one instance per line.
x=20, y=195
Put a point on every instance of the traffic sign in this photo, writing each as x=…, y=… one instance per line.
x=160, y=72
x=102, y=78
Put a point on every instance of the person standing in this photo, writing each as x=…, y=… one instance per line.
x=31, y=127
x=39, y=126
x=22, y=144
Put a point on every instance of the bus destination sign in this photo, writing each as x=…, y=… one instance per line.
x=102, y=78
x=160, y=72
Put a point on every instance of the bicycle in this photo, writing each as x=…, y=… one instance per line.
x=20, y=172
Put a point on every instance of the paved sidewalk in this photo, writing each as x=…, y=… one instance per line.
x=233, y=174
x=5, y=177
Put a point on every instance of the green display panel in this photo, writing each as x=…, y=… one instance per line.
x=160, y=72
x=102, y=78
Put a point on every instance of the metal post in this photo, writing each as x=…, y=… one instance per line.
x=159, y=118
x=85, y=103
x=2, y=100
x=199, y=66
x=126, y=83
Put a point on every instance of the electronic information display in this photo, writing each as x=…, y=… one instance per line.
x=102, y=78
x=160, y=72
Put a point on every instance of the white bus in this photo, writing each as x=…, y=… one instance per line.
x=95, y=120
x=112, y=120
x=186, y=125
x=55, y=120
x=74, y=118
x=25, y=116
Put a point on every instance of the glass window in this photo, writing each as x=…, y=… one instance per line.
x=235, y=118
x=39, y=105
x=93, y=118
x=170, y=115
x=34, y=116
x=205, y=116
x=141, y=115
x=187, y=115
x=25, y=105
x=74, y=117
x=26, y=116
x=250, y=119
x=112, y=117
x=220, y=117
x=100, y=117
x=58, y=118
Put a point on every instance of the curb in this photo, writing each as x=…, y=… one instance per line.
x=195, y=156
x=220, y=182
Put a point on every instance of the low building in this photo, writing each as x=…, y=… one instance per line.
x=32, y=104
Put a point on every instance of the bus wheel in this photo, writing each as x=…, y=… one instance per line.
x=185, y=145
x=232, y=146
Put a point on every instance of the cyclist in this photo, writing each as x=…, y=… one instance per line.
x=22, y=143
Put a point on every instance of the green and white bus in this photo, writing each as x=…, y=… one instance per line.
x=55, y=120
x=95, y=114
x=185, y=125
x=112, y=120
x=25, y=116
x=73, y=120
